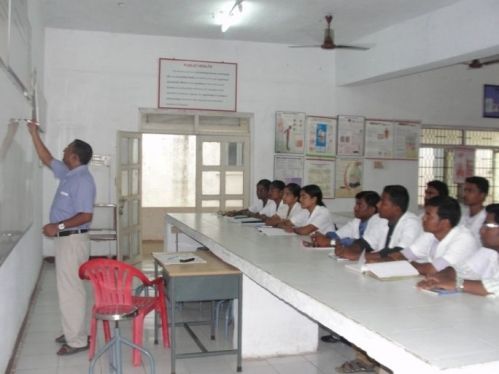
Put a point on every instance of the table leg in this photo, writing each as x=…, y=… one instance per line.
x=239, y=323
x=173, y=304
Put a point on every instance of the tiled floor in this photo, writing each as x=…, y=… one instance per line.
x=36, y=353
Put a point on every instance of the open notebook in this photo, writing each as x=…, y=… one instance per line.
x=384, y=270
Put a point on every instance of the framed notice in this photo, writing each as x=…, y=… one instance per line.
x=406, y=140
x=491, y=101
x=203, y=85
x=320, y=133
x=350, y=136
x=321, y=173
x=288, y=169
x=290, y=132
x=349, y=177
x=379, y=139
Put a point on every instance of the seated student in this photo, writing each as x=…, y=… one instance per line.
x=480, y=274
x=262, y=194
x=320, y=218
x=400, y=230
x=274, y=202
x=475, y=193
x=435, y=188
x=294, y=214
x=365, y=219
x=444, y=243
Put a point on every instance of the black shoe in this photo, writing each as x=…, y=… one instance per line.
x=333, y=338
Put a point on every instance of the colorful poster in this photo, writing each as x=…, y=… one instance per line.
x=464, y=164
x=288, y=169
x=406, y=140
x=321, y=173
x=290, y=132
x=350, y=136
x=349, y=177
x=379, y=139
x=321, y=136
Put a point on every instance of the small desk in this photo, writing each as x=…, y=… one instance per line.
x=213, y=280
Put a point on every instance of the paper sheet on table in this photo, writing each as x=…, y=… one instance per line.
x=177, y=258
x=273, y=231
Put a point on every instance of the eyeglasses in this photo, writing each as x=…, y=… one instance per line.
x=490, y=225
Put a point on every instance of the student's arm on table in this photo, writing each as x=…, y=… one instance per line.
x=320, y=240
x=446, y=279
x=425, y=268
x=351, y=252
x=273, y=221
x=304, y=230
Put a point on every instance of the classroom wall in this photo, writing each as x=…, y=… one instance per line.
x=19, y=272
x=97, y=81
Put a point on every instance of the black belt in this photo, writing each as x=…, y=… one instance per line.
x=71, y=232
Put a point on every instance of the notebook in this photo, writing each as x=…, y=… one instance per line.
x=384, y=270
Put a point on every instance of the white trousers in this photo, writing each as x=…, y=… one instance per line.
x=70, y=252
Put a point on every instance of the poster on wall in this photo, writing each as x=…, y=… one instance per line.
x=320, y=136
x=379, y=139
x=290, y=132
x=288, y=169
x=204, y=85
x=349, y=177
x=350, y=136
x=406, y=140
x=321, y=173
x=464, y=164
x=4, y=30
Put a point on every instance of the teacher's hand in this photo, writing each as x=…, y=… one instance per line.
x=50, y=229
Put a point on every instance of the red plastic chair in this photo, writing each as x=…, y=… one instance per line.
x=112, y=282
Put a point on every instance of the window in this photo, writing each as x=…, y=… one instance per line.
x=195, y=162
x=436, y=158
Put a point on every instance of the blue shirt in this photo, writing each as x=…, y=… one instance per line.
x=75, y=193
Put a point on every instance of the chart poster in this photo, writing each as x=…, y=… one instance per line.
x=406, y=140
x=190, y=84
x=379, y=139
x=321, y=173
x=290, y=132
x=4, y=30
x=321, y=136
x=349, y=177
x=464, y=164
x=288, y=169
x=350, y=135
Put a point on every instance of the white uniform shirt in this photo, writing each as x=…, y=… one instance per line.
x=321, y=218
x=453, y=250
x=473, y=223
x=269, y=209
x=297, y=215
x=282, y=210
x=256, y=207
x=351, y=228
x=483, y=264
x=407, y=230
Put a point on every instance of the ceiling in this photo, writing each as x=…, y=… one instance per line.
x=273, y=21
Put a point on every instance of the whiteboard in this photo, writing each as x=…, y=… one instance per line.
x=17, y=167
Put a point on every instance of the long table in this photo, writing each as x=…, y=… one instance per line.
x=406, y=330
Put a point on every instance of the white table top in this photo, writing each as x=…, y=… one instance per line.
x=405, y=329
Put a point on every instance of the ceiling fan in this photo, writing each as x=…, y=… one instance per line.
x=328, y=42
x=477, y=64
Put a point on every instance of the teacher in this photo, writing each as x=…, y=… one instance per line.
x=70, y=216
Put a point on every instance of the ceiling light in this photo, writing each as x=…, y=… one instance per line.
x=232, y=16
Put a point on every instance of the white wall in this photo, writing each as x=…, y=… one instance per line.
x=97, y=81
x=19, y=272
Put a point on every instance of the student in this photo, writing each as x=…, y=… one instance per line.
x=444, y=243
x=475, y=193
x=401, y=228
x=366, y=218
x=274, y=202
x=320, y=218
x=435, y=188
x=294, y=214
x=262, y=194
x=480, y=274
